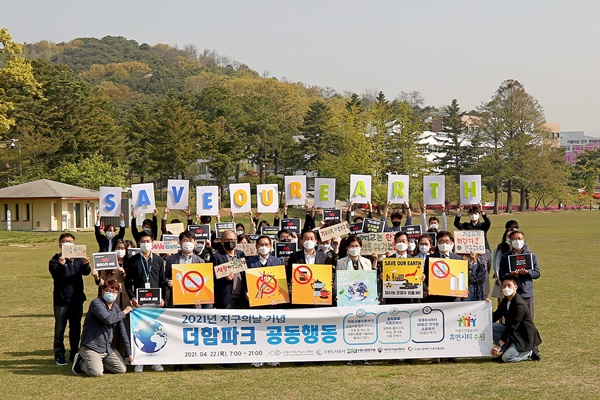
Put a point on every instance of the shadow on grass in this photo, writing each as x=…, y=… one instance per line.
x=28, y=316
x=36, y=362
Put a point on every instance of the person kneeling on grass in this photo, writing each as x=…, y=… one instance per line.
x=96, y=352
x=518, y=338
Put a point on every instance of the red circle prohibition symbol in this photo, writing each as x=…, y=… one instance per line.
x=440, y=269
x=268, y=283
x=303, y=275
x=190, y=284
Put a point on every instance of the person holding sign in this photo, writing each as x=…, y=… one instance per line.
x=523, y=276
x=264, y=247
x=165, y=217
x=478, y=221
x=96, y=352
x=145, y=271
x=68, y=296
x=106, y=242
x=396, y=218
x=401, y=243
x=149, y=226
x=229, y=290
x=517, y=338
x=117, y=274
x=445, y=245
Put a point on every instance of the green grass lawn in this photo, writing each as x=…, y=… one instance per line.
x=567, y=315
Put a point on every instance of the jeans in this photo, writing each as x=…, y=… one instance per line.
x=94, y=363
x=64, y=314
x=509, y=351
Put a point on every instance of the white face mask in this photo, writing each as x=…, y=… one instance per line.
x=110, y=234
x=445, y=247
x=424, y=248
x=239, y=233
x=474, y=217
x=411, y=246
x=354, y=251
x=264, y=250
x=401, y=246
x=324, y=248
x=309, y=244
x=518, y=244
x=188, y=247
x=146, y=246
x=66, y=244
x=433, y=226
x=506, y=291
x=121, y=253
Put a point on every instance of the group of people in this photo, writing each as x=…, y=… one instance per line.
x=97, y=348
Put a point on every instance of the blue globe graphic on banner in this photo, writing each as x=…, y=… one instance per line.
x=150, y=336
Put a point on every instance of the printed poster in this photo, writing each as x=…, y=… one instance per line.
x=402, y=278
x=448, y=277
x=312, y=284
x=356, y=288
x=267, y=286
x=193, y=284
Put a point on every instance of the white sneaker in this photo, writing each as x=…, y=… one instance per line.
x=158, y=368
x=138, y=368
x=256, y=365
x=274, y=364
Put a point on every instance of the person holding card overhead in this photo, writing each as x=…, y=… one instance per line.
x=148, y=225
x=524, y=276
x=145, y=271
x=68, y=296
x=396, y=218
x=478, y=221
x=107, y=241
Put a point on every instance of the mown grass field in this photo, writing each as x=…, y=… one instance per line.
x=567, y=315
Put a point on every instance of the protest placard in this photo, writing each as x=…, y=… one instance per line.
x=413, y=231
x=148, y=297
x=222, y=227
x=448, y=277
x=331, y=214
x=337, y=230
x=267, y=286
x=249, y=249
x=175, y=228
x=373, y=225
x=285, y=249
x=324, y=192
x=201, y=232
x=402, y=278
x=193, y=284
x=434, y=190
x=356, y=227
x=398, y=192
x=270, y=231
x=312, y=284
x=520, y=261
x=74, y=251
x=107, y=260
x=356, y=288
x=160, y=247
x=293, y=225
x=235, y=266
x=467, y=242
x=378, y=243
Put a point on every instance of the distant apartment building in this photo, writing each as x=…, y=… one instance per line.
x=575, y=143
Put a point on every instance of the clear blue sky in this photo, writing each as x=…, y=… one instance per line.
x=444, y=49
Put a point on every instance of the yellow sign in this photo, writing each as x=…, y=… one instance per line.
x=448, y=277
x=193, y=284
x=267, y=286
x=312, y=284
x=402, y=278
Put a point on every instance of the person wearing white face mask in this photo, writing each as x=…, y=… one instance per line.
x=524, y=277
x=107, y=241
x=117, y=274
x=445, y=245
x=433, y=224
x=478, y=221
x=354, y=260
x=517, y=339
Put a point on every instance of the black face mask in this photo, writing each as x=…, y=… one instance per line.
x=229, y=245
x=396, y=223
x=286, y=240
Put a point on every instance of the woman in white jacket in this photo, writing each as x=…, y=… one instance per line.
x=354, y=260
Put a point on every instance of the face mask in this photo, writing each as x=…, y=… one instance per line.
x=411, y=246
x=66, y=244
x=445, y=247
x=324, y=248
x=518, y=244
x=145, y=246
x=507, y=241
x=401, y=246
x=433, y=226
x=239, y=233
x=396, y=224
x=121, y=253
x=229, y=245
x=200, y=247
x=109, y=297
x=286, y=240
x=424, y=248
x=110, y=234
x=506, y=291
x=188, y=247
x=474, y=217
x=354, y=251
x=148, y=231
x=309, y=244
x=264, y=250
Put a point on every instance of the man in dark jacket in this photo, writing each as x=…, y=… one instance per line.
x=69, y=296
x=230, y=291
x=517, y=338
x=107, y=241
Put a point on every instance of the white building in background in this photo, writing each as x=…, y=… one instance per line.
x=575, y=143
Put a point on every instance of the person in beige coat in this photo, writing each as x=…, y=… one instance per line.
x=354, y=260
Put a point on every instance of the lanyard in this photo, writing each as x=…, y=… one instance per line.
x=147, y=271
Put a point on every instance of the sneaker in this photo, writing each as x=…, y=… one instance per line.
x=366, y=362
x=138, y=368
x=76, y=367
x=535, y=354
x=349, y=363
x=60, y=360
x=274, y=364
x=256, y=365
x=157, y=368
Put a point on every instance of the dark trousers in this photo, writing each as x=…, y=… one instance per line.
x=70, y=314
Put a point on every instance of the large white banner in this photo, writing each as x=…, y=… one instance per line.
x=204, y=336
x=178, y=193
x=325, y=192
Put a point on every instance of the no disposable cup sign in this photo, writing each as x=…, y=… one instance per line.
x=193, y=281
x=303, y=275
x=440, y=269
x=266, y=284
